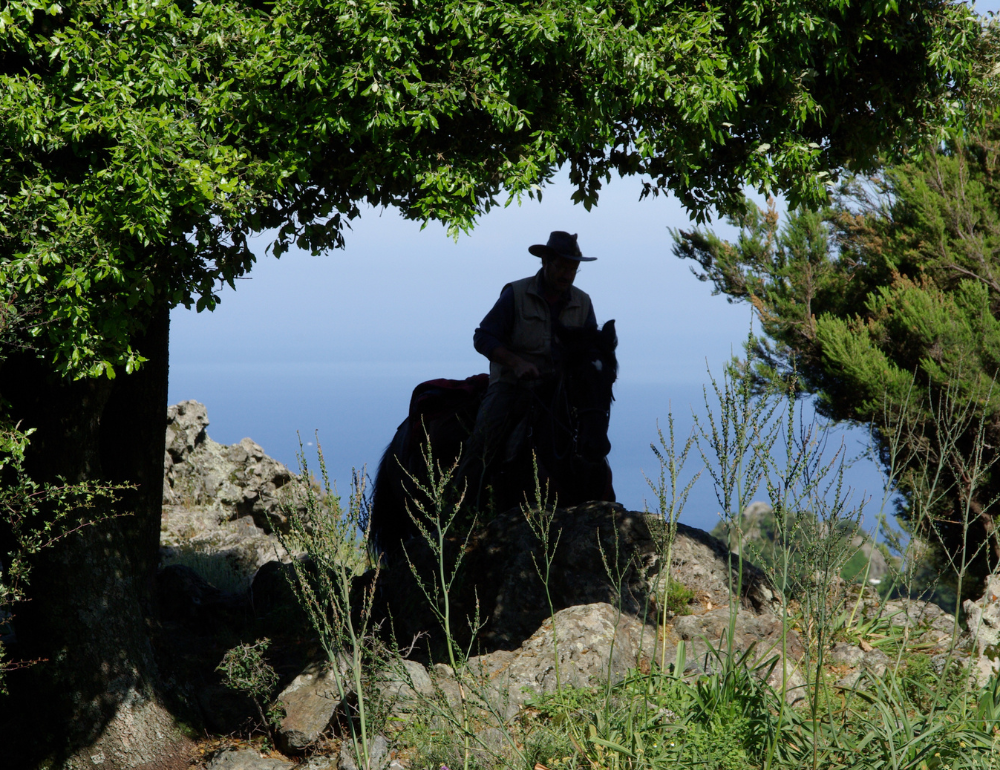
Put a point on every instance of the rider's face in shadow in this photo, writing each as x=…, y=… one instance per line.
x=559, y=272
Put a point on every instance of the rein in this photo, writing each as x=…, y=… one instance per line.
x=550, y=411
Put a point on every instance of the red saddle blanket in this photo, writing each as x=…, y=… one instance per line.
x=435, y=401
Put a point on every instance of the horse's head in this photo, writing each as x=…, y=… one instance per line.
x=591, y=368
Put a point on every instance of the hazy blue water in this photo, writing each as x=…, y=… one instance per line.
x=355, y=411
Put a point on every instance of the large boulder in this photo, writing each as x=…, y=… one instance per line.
x=590, y=644
x=704, y=565
x=600, y=553
x=607, y=578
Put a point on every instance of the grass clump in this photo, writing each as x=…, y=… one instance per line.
x=677, y=598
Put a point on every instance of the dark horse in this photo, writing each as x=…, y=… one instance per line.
x=565, y=430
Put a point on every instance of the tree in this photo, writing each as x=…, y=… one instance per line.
x=886, y=306
x=144, y=141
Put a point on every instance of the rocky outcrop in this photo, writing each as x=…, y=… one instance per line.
x=606, y=586
x=220, y=503
x=858, y=661
x=601, y=614
x=924, y=621
x=237, y=480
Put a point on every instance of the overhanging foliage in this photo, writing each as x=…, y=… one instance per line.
x=143, y=141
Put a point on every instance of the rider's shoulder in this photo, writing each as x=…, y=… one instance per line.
x=520, y=287
x=578, y=296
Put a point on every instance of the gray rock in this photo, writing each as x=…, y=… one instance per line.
x=246, y=759
x=983, y=621
x=501, y=582
x=943, y=659
x=846, y=654
x=604, y=554
x=849, y=681
x=491, y=748
x=762, y=634
x=186, y=423
x=704, y=564
x=593, y=540
x=876, y=663
x=310, y=702
x=595, y=642
x=926, y=622
x=443, y=670
x=220, y=502
x=403, y=686
x=378, y=754
x=226, y=553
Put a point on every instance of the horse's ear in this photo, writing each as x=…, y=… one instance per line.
x=609, y=334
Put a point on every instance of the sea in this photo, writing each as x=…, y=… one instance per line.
x=352, y=413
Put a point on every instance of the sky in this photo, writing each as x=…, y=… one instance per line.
x=332, y=346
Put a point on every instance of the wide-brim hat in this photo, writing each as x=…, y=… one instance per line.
x=560, y=245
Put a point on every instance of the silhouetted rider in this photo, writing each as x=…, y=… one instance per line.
x=516, y=336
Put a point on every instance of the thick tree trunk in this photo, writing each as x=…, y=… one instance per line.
x=94, y=703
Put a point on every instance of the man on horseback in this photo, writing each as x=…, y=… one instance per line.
x=547, y=399
x=516, y=336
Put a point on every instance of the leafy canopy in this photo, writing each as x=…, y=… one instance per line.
x=143, y=141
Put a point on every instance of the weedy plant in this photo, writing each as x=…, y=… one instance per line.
x=476, y=718
x=671, y=497
x=434, y=520
x=245, y=669
x=900, y=719
x=33, y=517
x=329, y=546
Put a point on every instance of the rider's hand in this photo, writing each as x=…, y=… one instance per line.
x=524, y=370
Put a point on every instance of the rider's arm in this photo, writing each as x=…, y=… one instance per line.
x=497, y=327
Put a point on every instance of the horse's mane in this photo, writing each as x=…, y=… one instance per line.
x=581, y=344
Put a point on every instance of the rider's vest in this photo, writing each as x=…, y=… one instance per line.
x=531, y=338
